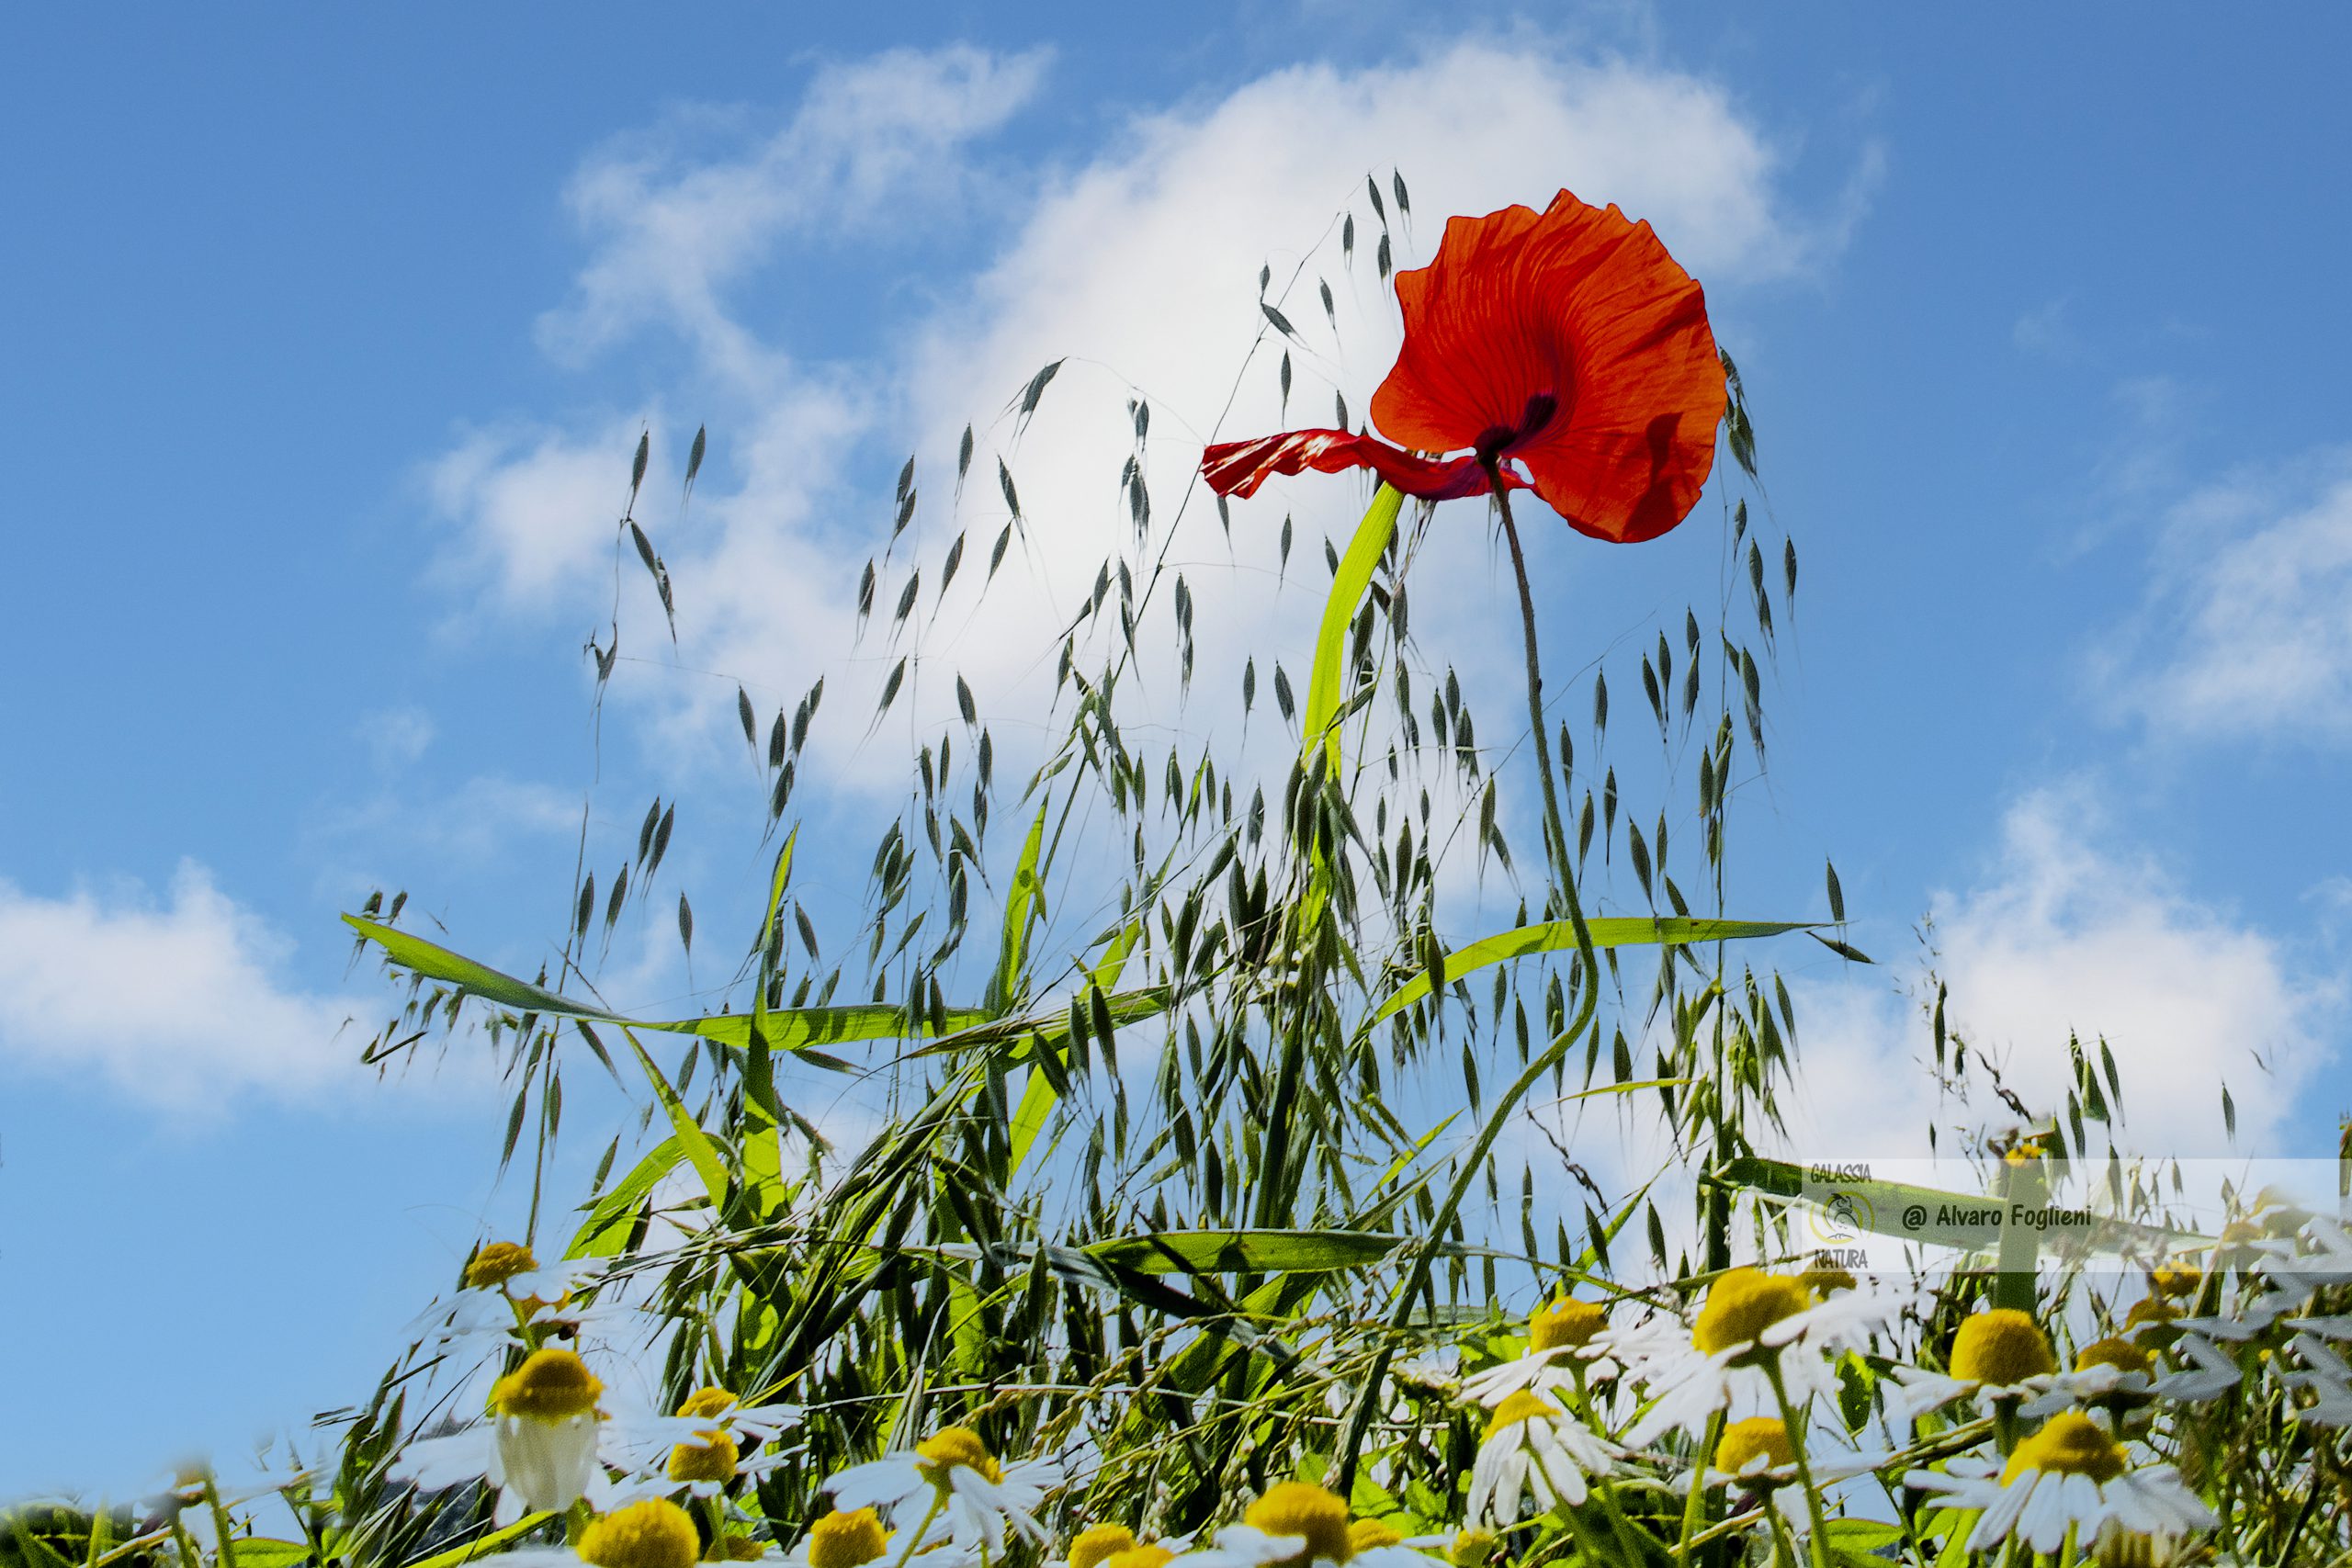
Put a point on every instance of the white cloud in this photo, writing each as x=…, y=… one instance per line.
x=2072, y=936
x=396, y=734
x=2248, y=630
x=182, y=1003
x=1141, y=268
x=672, y=230
x=536, y=512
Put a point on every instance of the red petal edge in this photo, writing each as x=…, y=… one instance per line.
x=1239, y=467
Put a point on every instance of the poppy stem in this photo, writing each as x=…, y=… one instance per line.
x=1555, y=832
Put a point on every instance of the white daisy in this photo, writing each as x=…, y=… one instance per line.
x=1756, y=1455
x=2069, y=1474
x=1997, y=1355
x=1533, y=1445
x=2327, y=1378
x=2254, y=1316
x=854, y=1538
x=1751, y=1325
x=1435, y=1370
x=2214, y=1376
x=654, y=1533
x=1559, y=1343
x=1300, y=1524
x=539, y=1449
x=507, y=1295
x=2106, y=1372
x=701, y=1446
x=1115, y=1546
x=953, y=1472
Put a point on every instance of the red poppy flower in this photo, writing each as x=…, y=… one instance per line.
x=1569, y=343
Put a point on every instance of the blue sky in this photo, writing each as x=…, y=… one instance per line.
x=328, y=334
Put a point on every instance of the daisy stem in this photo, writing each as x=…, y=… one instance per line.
x=1555, y=832
x=1696, y=1503
x=1784, y=1551
x=1795, y=1426
x=914, y=1536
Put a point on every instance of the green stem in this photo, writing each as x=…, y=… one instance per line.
x=914, y=1536
x=1555, y=832
x=1794, y=1426
x=1695, y=1506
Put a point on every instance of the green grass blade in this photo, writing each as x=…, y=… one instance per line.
x=1323, y=682
x=1560, y=936
x=437, y=963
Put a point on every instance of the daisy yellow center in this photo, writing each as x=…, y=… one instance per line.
x=1140, y=1557
x=742, y=1549
x=2120, y=1354
x=1366, y=1535
x=652, y=1534
x=1302, y=1508
x=2176, y=1279
x=497, y=1263
x=1823, y=1278
x=1099, y=1542
x=2001, y=1346
x=2070, y=1444
x=1471, y=1548
x=1565, y=1325
x=710, y=1459
x=1744, y=1441
x=1521, y=1406
x=1743, y=1304
x=551, y=1385
x=707, y=1402
x=951, y=1446
x=847, y=1539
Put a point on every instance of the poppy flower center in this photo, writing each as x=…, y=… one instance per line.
x=714, y=1458
x=951, y=1446
x=1757, y=1437
x=2070, y=1445
x=1565, y=1325
x=652, y=1534
x=1742, y=1305
x=847, y=1539
x=2001, y=1347
x=1303, y=1509
x=551, y=1385
x=1497, y=439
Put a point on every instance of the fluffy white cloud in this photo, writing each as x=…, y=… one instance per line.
x=1139, y=270
x=671, y=230
x=2069, y=934
x=2248, y=631
x=183, y=1003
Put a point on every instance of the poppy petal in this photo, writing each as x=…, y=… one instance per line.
x=1570, y=340
x=1239, y=467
